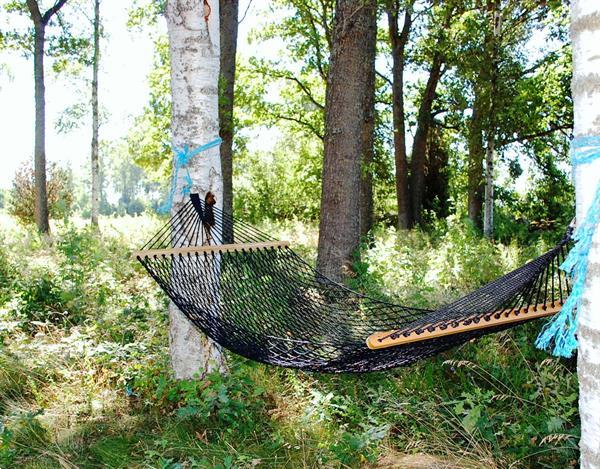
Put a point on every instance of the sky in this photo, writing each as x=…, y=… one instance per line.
x=123, y=91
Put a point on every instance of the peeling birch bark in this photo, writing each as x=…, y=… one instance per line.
x=585, y=37
x=194, y=51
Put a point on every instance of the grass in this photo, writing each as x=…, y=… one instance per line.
x=85, y=380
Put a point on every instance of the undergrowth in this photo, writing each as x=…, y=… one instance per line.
x=85, y=380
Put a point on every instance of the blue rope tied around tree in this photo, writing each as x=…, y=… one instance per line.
x=183, y=156
x=562, y=329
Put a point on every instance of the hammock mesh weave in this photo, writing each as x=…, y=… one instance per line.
x=269, y=305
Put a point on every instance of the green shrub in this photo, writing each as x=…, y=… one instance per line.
x=41, y=299
x=59, y=190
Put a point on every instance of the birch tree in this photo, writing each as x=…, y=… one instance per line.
x=585, y=36
x=95, y=118
x=193, y=30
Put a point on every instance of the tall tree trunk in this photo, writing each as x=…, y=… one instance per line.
x=347, y=85
x=475, y=168
x=41, y=194
x=585, y=36
x=368, y=134
x=194, y=51
x=398, y=42
x=488, y=214
x=95, y=121
x=417, y=176
x=495, y=25
x=228, y=10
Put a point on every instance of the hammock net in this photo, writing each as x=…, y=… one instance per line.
x=264, y=302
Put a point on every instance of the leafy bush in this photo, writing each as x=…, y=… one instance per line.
x=42, y=299
x=59, y=189
x=231, y=400
x=428, y=269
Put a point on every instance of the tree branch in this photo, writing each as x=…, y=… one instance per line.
x=305, y=89
x=297, y=120
x=542, y=133
x=383, y=77
x=51, y=11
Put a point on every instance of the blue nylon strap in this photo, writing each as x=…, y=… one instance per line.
x=562, y=329
x=183, y=156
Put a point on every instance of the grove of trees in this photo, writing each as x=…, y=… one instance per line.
x=358, y=117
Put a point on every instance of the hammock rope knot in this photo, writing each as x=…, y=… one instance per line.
x=183, y=156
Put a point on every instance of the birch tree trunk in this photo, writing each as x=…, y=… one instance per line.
x=95, y=121
x=193, y=30
x=585, y=37
x=488, y=215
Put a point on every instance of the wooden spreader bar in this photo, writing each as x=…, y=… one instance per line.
x=380, y=340
x=208, y=249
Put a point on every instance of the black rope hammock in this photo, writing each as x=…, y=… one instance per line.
x=256, y=297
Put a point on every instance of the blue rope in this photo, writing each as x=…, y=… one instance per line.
x=562, y=329
x=183, y=156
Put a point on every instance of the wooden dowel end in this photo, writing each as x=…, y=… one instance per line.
x=380, y=340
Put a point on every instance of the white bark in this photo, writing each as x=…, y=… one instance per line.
x=95, y=119
x=194, y=50
x=585, y=36
x=488, y=214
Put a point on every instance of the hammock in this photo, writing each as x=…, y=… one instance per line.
x=256, y=297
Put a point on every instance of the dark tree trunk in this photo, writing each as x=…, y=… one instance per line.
x=228, y=13
x=436, y=175
x=347, y=85
x=41, y=194
x=368, y=134
x=417, y=176
x=475, y=168
x=398, y=42
x=95, y=120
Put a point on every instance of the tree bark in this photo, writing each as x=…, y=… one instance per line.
x=437, y=180
x=417, y=176
x=194, y=52
x=585, y=36
x=228, y=10
x=495, y=25
x=95, y=120
x=368, y=134
x=475, y=168
x=488, y=214
x=347, y=85
x=41, y=193
x=398, y=42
